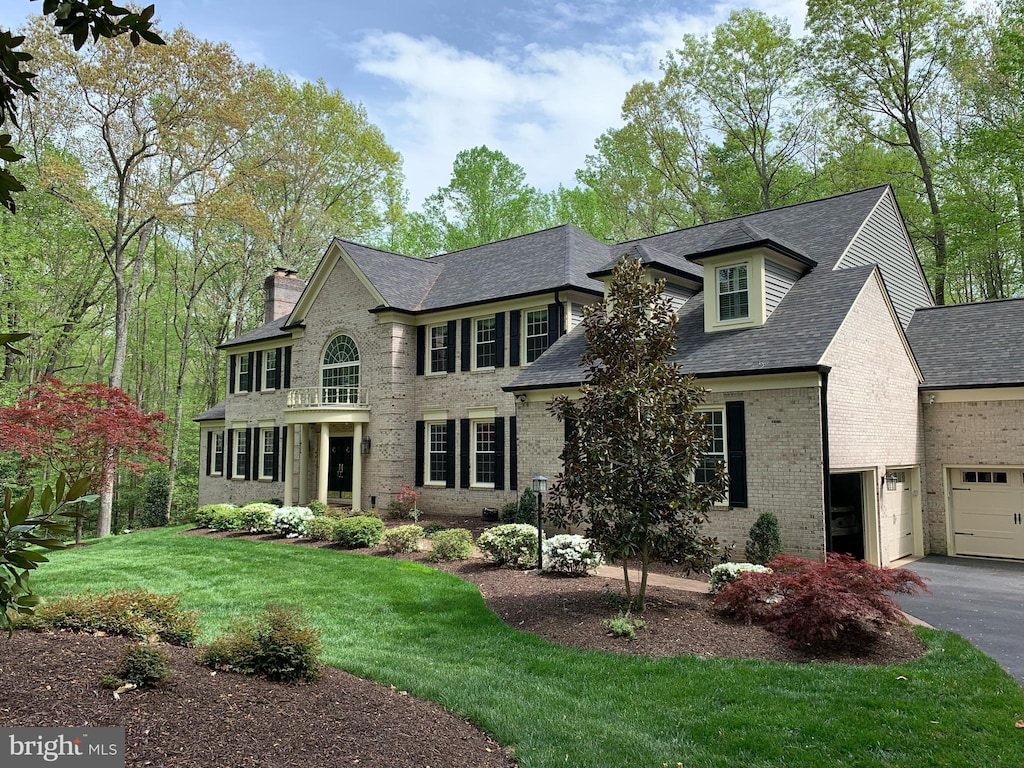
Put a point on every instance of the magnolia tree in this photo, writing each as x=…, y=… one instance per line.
x=78, y=430
x=630, y=463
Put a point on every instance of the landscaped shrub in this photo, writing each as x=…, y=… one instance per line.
x=727, y=573
x=403, y=538
x=204, y=515
x=512, y=544
x=404, y=505
x=291, y=521
x=358, y=531
x=523, y=510
x=155, y=491
x=318, y=507
x=136, y=614
x=226, y=518
x=320, y=527
x=451, y=544
x=141, y=665
x=813, y=604
x=570, y=554
x=277, y=644
x=431, y=528
x=765, y=539
x=257, y=517
x=624, y=625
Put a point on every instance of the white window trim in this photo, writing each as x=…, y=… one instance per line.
x=239, y=389
x=241, y=435
x=718, y=293
x=725, y=439
x=473, y=453
x=430, y=350
x=264, y=433
x=756, y=310
x=525, y=337
x=267, y=369
x=218, y=437
x=476, y=343
x=427, y=453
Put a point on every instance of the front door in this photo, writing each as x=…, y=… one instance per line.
x=339, y=469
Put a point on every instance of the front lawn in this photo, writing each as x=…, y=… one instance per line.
x=431, y=634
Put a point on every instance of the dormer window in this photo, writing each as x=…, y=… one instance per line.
x=733, y=293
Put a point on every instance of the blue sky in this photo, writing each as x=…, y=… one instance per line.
x=539, y=80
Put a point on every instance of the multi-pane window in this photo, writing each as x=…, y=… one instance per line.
x=340, y=371
x=715, y=421
x=437, y=451
x=984, y=477
x=270, y=366
x=243, y=374
x=241, y=452
x=484, y=444
x=536, y=335
x=218, y=453
x=733, y=293
x=486, y=346
x=438, y=348
x=267, y=454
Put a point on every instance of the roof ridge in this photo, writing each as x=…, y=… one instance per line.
x=502, y=240
x=971, y=303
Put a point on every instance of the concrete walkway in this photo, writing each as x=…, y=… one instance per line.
x=982, y=600
x=654, y=579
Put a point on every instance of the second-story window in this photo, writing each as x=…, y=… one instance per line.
x=536, y=333
x=485, y=348
x=244, y=383
x=733, y=294
x=439, y=348
x=340, y=371
x=271, y=368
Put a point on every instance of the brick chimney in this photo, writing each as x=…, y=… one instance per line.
x=281, y=291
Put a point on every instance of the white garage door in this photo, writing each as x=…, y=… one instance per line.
x=988, y=511
x=898, y=520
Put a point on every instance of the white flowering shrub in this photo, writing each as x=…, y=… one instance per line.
x=726, y=573
x=291, y=521
x=571, y=554
x=512, y=544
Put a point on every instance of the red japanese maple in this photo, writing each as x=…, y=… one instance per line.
x=77, y=429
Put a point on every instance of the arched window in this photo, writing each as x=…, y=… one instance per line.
x=340, y=371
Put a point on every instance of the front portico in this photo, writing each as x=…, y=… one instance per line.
x=333, y=419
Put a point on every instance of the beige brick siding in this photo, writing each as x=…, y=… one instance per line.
x=966, y=433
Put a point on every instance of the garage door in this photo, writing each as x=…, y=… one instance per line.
x=988, y=511
x=898, y=521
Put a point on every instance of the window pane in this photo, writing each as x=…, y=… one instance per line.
x=733, y=297
x=715, y=421
x=438, y=453
x=536, y=333
x=218, y=453
x=484, y=452
x=241, y=452
x=485, y=346
x=439, y=348
x=267, y=465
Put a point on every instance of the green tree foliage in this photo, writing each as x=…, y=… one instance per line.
x=631, y=459
x=78, y=21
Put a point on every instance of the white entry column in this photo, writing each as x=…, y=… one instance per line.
x=357, y=467
x=323, y=462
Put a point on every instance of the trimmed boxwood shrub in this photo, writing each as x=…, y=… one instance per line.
x=358, y=531
x=256, y=517
x=403, y=538
x=513, y=544
x=321, y=527
x=204, y=515
x=451, y=544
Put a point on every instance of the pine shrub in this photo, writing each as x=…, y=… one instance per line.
x=765, y=539
x=451, y=544
x=813, y=604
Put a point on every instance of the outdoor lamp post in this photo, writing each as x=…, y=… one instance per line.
x=540, y=485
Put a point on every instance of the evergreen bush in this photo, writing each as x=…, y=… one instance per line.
x=451, y=544
x=765, y=539
x=403, y=538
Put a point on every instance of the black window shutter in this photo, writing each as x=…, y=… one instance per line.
x=736, y=443
x=421, y=350
x=421, y=440
x=514, y=321
x=450, y=366
x=499, y=453
x=252, y=466
x=449, y=453
x=467, y=329
x=282, y=472
x=287, y=367
x=499, y=340
x=554, y=323
x=568, y=429
x=464, y=451
x=231, y=374
x=229, y=454
x=513, y=455
x=274, y=474
x=259, y=370
x=252, y=364
x=209, y=452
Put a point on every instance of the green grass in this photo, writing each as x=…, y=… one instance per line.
x=431, y=634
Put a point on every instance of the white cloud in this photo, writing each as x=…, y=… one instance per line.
x=541, y=105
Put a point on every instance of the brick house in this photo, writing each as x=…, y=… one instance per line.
x=384, y=370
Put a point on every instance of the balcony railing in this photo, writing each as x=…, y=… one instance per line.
x=327, y=397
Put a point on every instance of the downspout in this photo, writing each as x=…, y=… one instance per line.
x=825, y=468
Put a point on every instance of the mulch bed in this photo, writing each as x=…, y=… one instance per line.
x=206, y=720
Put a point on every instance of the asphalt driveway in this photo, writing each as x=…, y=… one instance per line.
x=982, y=600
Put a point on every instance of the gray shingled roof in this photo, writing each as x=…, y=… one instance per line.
x=650, y=256
x=794, y=338
x=969, y=345
x=271, y=330
x=403, y=281
x=216, y=413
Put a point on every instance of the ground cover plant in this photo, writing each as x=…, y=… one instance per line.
x=432, y=635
